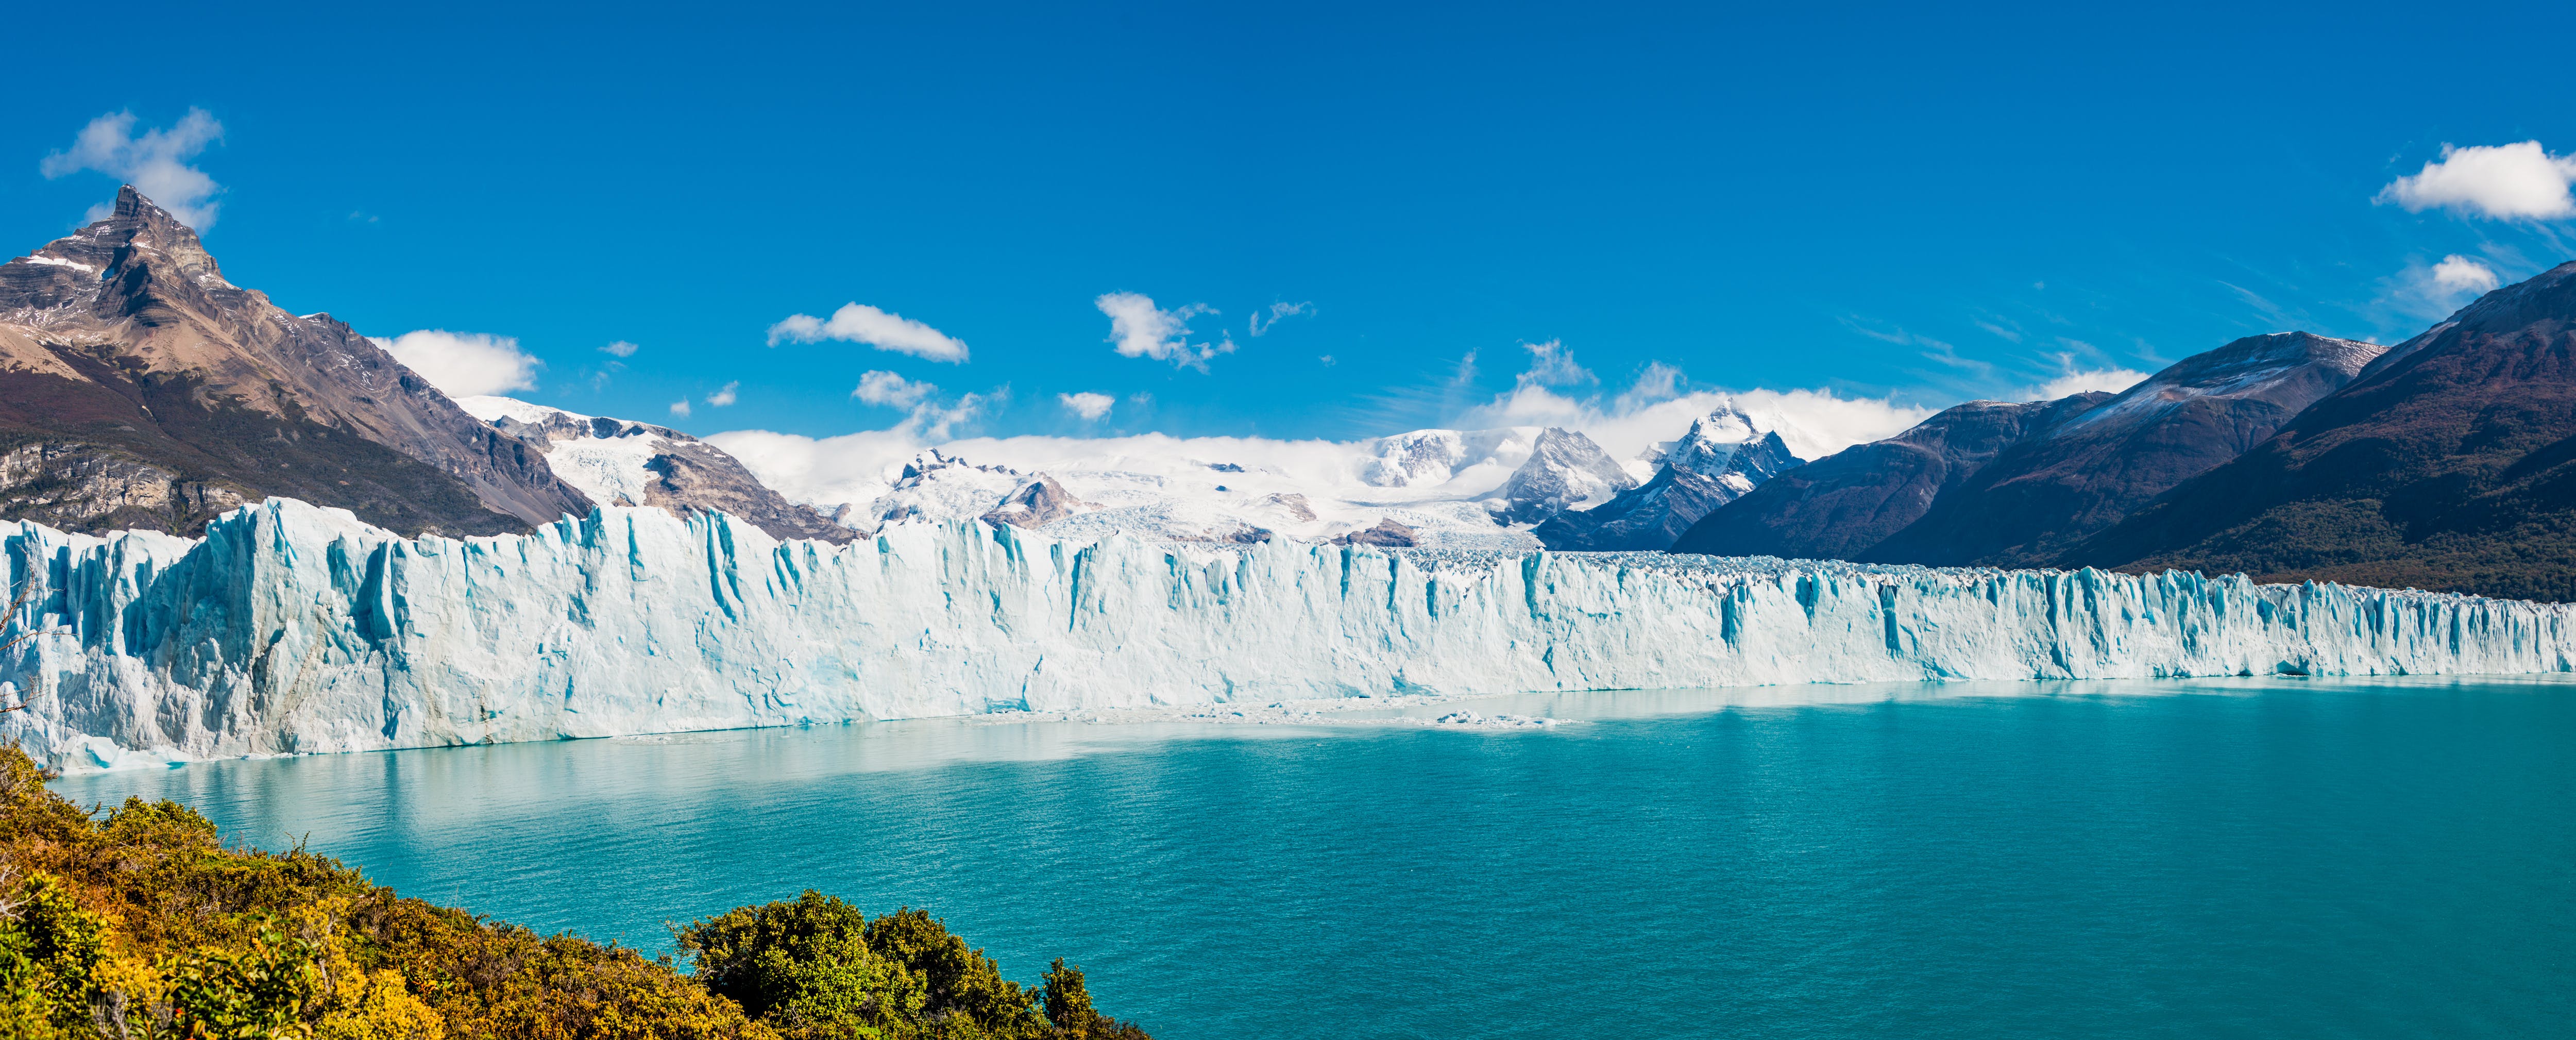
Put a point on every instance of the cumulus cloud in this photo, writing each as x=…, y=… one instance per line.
x=464, y=364
x=2459, y=274
x=1141, y=329
x=621, y=348
x=1277, y=311
x=2501, y=182
x=888, y=390
x=1090, y=406
x=724, y=397
x=680, y=408
x=2423, y=292
x=860, y=323
x=155, y=163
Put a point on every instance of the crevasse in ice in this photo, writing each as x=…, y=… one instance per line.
x=292, y=628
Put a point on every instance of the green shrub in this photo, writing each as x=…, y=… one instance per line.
x=142, y=926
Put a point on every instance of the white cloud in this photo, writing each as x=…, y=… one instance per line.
x=2076, y=381
x=680, y=408
x=888, y=390
x=2430, y=293
x=2502, y=182
x=156, y=163
x=1659, y=382
x=930, y=420
x=1553, y=365
x=860, y=323
x=724, y=397
x=825, y=471
x=464, y=364
x=1090, y=406
x=1277, y=311
x=2460, y=274
x=1141, y=329
x=621, y=348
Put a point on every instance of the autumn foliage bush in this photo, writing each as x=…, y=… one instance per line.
x=141, y=925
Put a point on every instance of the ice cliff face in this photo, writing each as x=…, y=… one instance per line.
x=291, y=628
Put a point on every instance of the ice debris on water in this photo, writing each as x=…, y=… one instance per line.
x=290, y=628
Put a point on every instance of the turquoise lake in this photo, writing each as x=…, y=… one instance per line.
x=2257, y=858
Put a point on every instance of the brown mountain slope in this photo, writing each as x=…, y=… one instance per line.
x=2450, y=464
x=1846, y=503
x=2048, y=493
x=138, y=388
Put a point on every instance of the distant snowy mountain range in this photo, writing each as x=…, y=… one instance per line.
x=1509, y=488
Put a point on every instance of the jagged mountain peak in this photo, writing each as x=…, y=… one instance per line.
x=134, y=228
x=1712, y=441
x=124, y=351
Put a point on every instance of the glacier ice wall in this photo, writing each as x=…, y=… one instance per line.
x=292, y=628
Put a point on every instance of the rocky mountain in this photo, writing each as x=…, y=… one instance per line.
x=1720, y=459
x=2449, y=464
x=621, y=463
x=2016, y=485
x=1841, y=506
x=139, y=388
x=2044, y=495
x=1037, y=502
x=1564, y=470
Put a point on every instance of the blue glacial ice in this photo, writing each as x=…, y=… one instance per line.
x=290, y=628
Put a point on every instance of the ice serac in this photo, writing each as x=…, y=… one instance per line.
x=291, y=628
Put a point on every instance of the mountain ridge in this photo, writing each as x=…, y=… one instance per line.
x=2448, y=464
x=140, y=388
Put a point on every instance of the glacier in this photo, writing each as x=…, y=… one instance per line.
x=291, y=628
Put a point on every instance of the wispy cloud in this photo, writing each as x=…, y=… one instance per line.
x=724, y=397
x=860, y=323
x=1140, y=329
x=155, y=163
x=621, y=348
x=1278, y=311
x=2072, y=379
x=680, y=408
x=464, y=364
x=2500, y=182
x=931, y=419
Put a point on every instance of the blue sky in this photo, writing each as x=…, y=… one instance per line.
x=1881, y=202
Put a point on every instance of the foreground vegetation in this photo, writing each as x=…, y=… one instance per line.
x=142, y=925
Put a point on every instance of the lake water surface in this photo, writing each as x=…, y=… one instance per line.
x=2262, y=858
